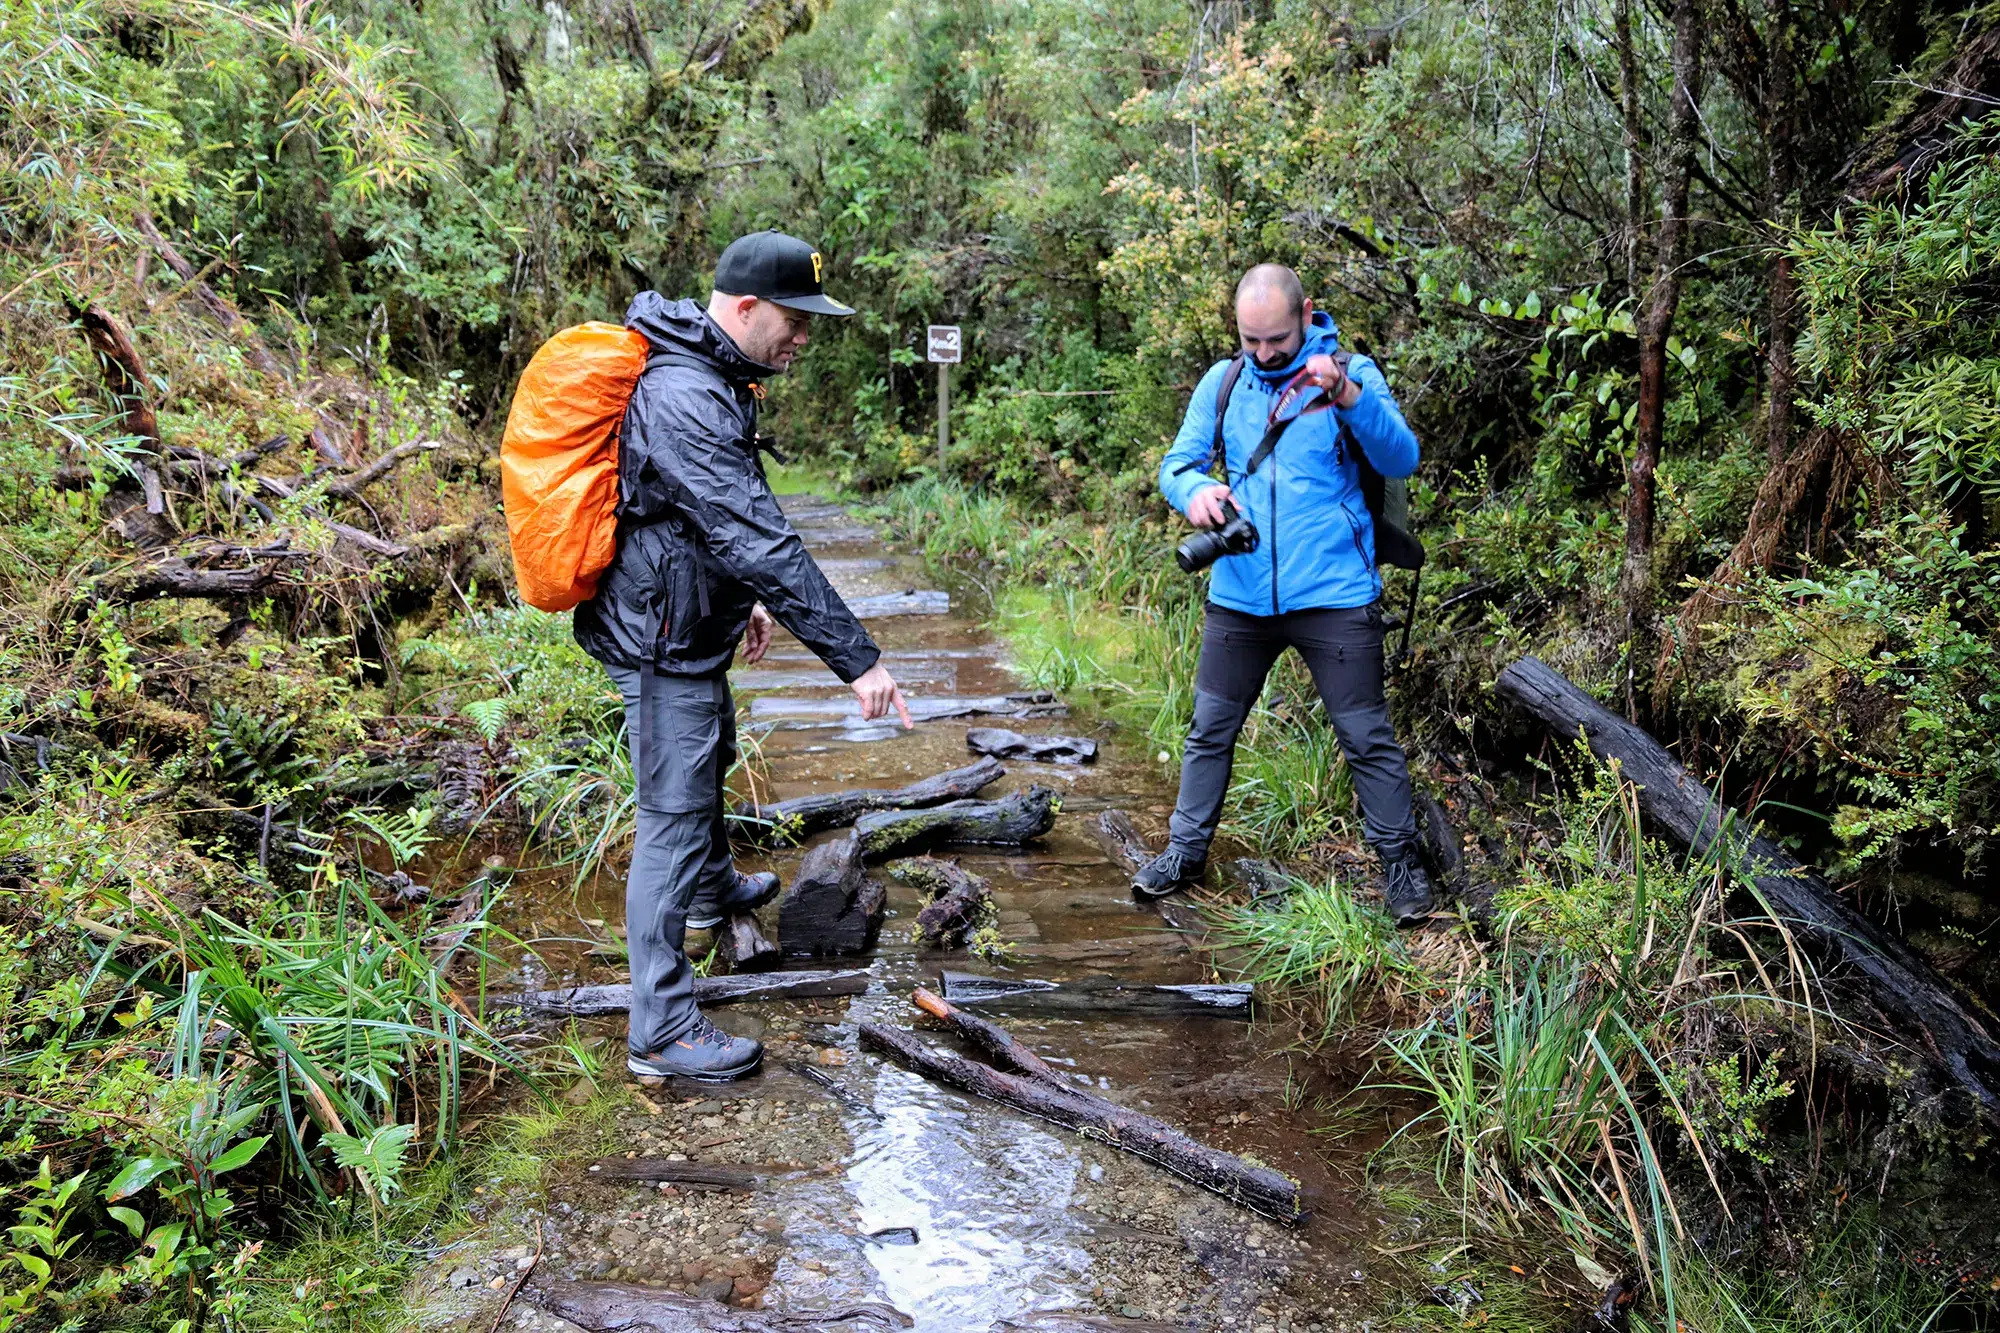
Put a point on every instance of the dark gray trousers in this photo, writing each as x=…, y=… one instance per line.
x=1343, y=650
x=682, y=734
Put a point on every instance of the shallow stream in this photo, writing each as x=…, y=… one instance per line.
x=1011, y=1216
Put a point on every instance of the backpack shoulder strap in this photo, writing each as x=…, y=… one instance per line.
x=1222, y=392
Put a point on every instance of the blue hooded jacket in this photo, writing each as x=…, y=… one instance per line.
x=1317, y=547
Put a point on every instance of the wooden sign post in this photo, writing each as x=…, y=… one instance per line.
x=945, y=343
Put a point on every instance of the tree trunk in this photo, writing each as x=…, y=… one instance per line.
x=1920, y=1007
x=1636, y=577
x=1635, y=163
x=1781, y=172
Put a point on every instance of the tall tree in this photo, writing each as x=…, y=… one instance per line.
x=1683, y=121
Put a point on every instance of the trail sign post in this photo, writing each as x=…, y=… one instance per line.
x=944, y=343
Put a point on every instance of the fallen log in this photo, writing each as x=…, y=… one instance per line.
x=591, y=1001
x=831, y=907
x=1269, y=1192
x=1097, y=995
x=1919, y=1007
x=743, y=942
x=1004, y=744
x=960, y=901
x=1012, y=820
x=695, y=1175
x=797, y=819
x=996, y=1042
x=627, y=1307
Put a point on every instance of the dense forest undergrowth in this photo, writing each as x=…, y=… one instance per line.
x=1692, y=303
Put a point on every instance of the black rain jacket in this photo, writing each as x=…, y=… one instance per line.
x=700, y=536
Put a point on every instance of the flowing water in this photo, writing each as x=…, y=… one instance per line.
x=1011, y=1216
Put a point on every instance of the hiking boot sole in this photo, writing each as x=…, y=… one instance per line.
x=647, y=1069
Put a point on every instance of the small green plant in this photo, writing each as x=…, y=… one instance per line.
x=1724, y=1110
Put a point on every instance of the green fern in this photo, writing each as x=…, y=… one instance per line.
x=489, y=715
x=256, y=755
x=378, y=1159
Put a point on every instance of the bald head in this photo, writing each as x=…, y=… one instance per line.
x=1271, y=314
x=1268, y=282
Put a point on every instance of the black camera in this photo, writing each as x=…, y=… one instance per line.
x=1237, y=536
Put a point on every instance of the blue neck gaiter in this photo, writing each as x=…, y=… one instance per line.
x=1322, y=336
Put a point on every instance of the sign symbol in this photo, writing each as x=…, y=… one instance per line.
x=944, y=344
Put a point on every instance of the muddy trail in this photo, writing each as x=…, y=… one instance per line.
x=861, y=1182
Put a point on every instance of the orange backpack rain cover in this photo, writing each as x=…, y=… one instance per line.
x=559, y=461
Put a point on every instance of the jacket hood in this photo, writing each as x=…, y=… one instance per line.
x=1322, y=336
x=684, y=327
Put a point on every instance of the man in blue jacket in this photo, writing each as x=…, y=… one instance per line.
x=1312, y=582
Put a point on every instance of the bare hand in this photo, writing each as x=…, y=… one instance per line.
x=1327, y=374
x=878, y=692
x=757, y=634
x=1205, y=510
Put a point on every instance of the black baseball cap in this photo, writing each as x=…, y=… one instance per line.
x=778, y=268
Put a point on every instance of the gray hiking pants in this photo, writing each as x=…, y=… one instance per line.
x=682, y=733
x=1343, y=650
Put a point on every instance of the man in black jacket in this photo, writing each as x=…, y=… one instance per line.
x=703, y=550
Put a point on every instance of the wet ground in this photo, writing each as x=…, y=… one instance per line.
x=882, y=1186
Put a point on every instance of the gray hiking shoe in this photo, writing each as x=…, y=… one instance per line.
x=1169, y=872
x=707, y=910
x=1406, y=885
x=704, y=1053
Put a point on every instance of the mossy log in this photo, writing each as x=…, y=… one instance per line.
x=1269, y=1192
x=1919, y=1006
x=797, y=819
x=960, y=901
x=1011, y=820
x=831, y=906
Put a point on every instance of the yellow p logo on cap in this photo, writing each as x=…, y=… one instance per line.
x=816, y=276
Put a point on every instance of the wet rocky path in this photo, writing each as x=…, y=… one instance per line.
x=880, y=1186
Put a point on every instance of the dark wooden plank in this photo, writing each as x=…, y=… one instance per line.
x=1096, y=995
x=1920, y=1007
x=736, y=1177
x=1004, y=744
x=830, y=907
x=587, y=1001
